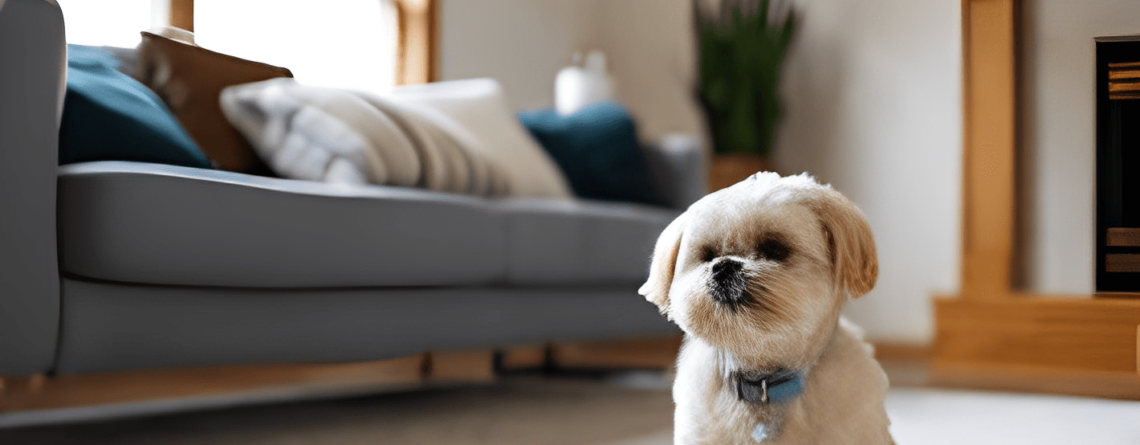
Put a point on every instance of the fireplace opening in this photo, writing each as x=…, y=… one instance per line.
x=1118, y=165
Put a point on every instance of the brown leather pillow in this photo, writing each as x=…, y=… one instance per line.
x=190, y=79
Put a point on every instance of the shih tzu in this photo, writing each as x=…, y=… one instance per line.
x=756, y=275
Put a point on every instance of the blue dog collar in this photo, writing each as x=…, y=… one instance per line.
x=777, y=387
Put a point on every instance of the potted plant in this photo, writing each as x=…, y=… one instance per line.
x=741, y=46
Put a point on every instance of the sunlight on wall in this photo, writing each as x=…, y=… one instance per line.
x=105, y=22
x=335, y=43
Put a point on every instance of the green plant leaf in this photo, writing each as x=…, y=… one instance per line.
x=740, y=59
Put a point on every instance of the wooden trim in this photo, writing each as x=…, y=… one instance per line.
x=1122, y=262
x=524, y=357
x=1118, y=294
x=991, y=336
x=906, y=365
x=182, y=14
x=1095, y=334
x=989, y=43
x=658, y=352
x=142, y=386
x=38, y=393
x=1063, y=345
x=418, y=41
x=1123, y=87
x=1123, y=237
x=461, y=366
x=900, y=351
x=1124, y=65
x=1122, y=74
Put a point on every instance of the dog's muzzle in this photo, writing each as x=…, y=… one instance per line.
x=728, y=284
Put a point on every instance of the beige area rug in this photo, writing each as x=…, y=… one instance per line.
x=622, y=409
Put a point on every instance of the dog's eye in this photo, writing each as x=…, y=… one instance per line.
x=774, y=249
x=708, y=254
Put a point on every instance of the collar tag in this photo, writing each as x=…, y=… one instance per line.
x=772, y=388
x=760, y=432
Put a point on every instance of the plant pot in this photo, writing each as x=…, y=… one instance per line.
x=729, y=168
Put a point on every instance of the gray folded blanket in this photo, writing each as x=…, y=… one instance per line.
x=331, y=135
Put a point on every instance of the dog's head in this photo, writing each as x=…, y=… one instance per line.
x=762, y=268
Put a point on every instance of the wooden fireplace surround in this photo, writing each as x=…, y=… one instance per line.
x=992, y=335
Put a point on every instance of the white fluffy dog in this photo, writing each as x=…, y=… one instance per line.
x=756, y=275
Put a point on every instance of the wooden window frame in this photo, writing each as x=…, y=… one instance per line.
x=418, y=41
x=992, y=335
x=417, y=38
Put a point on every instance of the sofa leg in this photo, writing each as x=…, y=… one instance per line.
x=524, y=357
x=36, y=382
x=460, y=367
x=655, y=353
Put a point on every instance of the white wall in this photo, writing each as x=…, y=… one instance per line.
x=872, y=105
x=523, y=43
x=652, y=55
x=1058, y=132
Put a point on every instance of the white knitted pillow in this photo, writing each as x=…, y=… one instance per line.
x=332, y=135
x=321, y=134
x=480, y=106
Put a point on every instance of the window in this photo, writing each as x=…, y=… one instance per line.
x=334, y=43
x=106, y=22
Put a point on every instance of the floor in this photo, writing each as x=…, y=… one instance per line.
x=944, y=417
x=632, y=408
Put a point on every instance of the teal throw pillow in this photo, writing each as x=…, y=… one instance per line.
x=597, y=148
x=107, y=115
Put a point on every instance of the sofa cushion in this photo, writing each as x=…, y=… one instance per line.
x=168, y=225
x=109, y=116
x=190, y=79
x=158, y=224
x=334, y=135
x=480, y=106
x=597, y=148
x=556, y=242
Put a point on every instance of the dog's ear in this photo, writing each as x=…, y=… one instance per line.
x=656, y=288
x=850, y=243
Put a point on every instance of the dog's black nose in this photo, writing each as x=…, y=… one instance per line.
x=726, y=268
x=728, y=285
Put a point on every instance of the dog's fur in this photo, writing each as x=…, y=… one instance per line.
x=756, y=275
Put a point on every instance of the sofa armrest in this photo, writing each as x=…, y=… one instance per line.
x=33, y=57
x=679, y=170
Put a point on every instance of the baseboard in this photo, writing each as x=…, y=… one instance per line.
x=655, y=352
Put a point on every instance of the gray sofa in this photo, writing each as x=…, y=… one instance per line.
x=124, y=265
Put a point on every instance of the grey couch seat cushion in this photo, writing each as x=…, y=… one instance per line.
x=158, y=224
x=553, y=242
